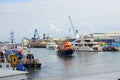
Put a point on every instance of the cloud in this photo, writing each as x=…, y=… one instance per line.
x=53, y=28
x=12, y=1
x=51, y=15
x=9, y=11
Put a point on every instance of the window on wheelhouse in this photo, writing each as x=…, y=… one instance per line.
x=80, y=45
x=90, y=45
x=85, y=44
x=78, y=41
x=87, y=40
x=7, y=66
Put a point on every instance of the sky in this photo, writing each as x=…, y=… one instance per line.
x=51, y=17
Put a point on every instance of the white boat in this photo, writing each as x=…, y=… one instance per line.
x=86, y=44
x=7, y=72
x=51, y=45
x=12, y=75
x=9, y=67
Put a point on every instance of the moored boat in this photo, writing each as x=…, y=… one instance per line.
x=31, y=62
x=51, y=45
x=11, y=70
x=65, y=49
x=86, y=44
x=6, y=74
x=109, y=47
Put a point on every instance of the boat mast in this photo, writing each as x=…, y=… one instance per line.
x=12, y=37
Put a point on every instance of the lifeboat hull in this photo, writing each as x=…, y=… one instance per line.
x=65, y=53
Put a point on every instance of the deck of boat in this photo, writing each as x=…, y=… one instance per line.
x=9, y=73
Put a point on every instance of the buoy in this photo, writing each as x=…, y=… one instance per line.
x=13, y=59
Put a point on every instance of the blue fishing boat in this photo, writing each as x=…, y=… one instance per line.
x=109, y=47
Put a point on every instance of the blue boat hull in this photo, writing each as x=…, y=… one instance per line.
x=65, y=53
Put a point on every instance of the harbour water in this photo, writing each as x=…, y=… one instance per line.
x=82, y=64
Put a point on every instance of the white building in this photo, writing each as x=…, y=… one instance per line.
x=25, y=42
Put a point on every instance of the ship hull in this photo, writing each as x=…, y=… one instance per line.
x=32, y=65
x=65, y=53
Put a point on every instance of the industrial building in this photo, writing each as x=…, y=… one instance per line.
x=107, y=37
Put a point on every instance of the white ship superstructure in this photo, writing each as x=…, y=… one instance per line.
x=86, y=44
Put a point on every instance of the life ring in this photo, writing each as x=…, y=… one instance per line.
x=13, y=59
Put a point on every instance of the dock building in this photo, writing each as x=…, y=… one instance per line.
x=107, y=37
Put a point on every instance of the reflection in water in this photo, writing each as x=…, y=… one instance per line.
x=33, y=73
x=67, y=62
x=61, y=68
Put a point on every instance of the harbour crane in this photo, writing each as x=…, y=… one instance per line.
x=36, y=35
x=75, y=31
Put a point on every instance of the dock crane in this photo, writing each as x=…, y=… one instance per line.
x=36, y=35
x=75, y=31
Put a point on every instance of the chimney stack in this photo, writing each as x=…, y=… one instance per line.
x=44, y=36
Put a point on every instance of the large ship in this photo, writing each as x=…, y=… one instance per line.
x=35, y=42
x=86, y=44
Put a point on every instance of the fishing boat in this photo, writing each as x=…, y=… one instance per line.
x=86, y=44
x=31, y=62
x=11, y=61
x=11, y=54
x=13, y=48
x=109, y=47
x=65, y=49
x=11, y=70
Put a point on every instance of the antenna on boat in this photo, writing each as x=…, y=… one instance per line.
x=12, y=37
